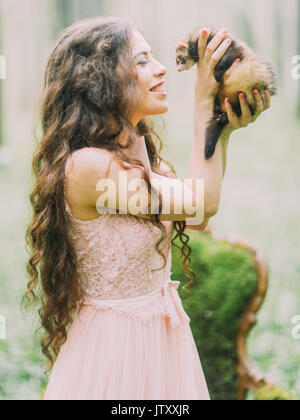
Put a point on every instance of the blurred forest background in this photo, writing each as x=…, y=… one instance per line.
x=260, y=197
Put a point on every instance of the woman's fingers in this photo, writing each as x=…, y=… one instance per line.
x=218, y=54
x=246, y=117
x=214, y=43
x=259, y=104
x=246, y=111
x=232, y=117
x=202, y=43
x=268, y=100
x=232, y=68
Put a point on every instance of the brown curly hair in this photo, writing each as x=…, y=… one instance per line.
x=85, y=102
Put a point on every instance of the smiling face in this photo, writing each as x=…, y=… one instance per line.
x=149, y=73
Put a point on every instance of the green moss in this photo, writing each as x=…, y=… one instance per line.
x=226, y=281
x=273, y=393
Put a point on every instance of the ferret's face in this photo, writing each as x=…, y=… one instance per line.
x=149, y=74
x=183, y=60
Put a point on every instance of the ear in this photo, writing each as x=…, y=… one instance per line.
x=182, y=46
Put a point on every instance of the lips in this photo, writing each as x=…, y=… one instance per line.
x=157, y=86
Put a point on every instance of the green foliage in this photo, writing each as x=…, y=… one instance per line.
x=226, y=282
x=273, y=393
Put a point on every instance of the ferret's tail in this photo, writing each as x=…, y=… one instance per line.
x=213, y=132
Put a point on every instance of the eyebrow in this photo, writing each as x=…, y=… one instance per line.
x=143, y=53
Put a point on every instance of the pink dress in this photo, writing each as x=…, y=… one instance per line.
x=132, y=339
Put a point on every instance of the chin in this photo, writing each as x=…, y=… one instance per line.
x=161, y=109
x=157, y=110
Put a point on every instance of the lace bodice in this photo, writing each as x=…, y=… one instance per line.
x=116, y=253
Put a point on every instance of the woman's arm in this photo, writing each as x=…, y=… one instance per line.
x=212, y=171
x=220, y=161
x=221, y=152
x=224, y=140
x=200, y=168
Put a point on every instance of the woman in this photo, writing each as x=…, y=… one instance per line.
x=114, y=324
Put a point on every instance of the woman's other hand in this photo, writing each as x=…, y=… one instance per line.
x=210, y=54
x=246, y=118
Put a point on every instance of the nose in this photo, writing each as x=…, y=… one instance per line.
x=160, y=69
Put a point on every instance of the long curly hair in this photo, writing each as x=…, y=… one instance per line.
x=85, y=102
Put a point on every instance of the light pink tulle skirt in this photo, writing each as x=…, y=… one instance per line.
x=110, y=356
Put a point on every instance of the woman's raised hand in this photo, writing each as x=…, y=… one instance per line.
x=210, y=54
x=246, y=118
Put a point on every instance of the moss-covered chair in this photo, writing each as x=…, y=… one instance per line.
x=231, y=284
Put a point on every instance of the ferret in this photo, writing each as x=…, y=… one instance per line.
x=251, y=72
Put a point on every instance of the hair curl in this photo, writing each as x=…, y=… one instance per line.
x=85, y=102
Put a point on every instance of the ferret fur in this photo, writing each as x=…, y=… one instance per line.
x=252, y=72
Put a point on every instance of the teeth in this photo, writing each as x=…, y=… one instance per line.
x=159, y=89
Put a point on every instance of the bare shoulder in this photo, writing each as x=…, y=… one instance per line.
x=90, y=161
x=84, y=169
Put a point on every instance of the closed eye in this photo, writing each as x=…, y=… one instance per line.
x=142, y=63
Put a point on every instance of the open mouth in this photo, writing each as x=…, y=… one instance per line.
x=159, y=90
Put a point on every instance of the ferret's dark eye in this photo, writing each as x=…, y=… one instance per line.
x=180, y=60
